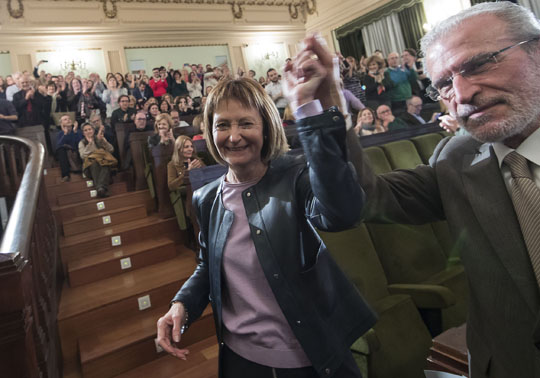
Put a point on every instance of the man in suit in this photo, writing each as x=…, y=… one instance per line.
x=484, y=64
x=413, y=117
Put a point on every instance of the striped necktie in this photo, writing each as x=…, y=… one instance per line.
x=526, y=199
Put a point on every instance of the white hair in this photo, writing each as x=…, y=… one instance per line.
x=521, y=23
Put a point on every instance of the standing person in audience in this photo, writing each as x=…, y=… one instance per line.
x=377, y=82
x=8, y=115
x=124, y=113
x=484, y=63
x=2, y=88
x=13, y=87
x=408, y=57
x=184, y=106
x=141, y=125
x=211, y=78
x=98, y=161
x=143, y=92
x=111, y=95
x=183, y=160
x=177, y=85
x=158, y=83
x=252, y=74
x=275, y=91
x=67, y=143
x=99, y=85
x=28, y=104
x=352, y=78
x=52, y=103
x=402, y=77
x=413, y=115
x=121, y=81
x=389, y=122
x=281, y=305
x=194, y=86
x=162, y=131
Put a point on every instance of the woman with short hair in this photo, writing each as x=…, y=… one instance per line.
x=281, y=305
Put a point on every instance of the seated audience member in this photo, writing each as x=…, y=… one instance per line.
x=124, y=113
x=158, y=82
x=377, y=82
x=133, y=102
x=367, y=123
x=185, y=106
x=175, y=115
x=97, y=157
x=288, y=117
x=388, y=120
x=8, y=115
x=164, y=106
x=194, y=86
x=153, y=112
x=67, y=142
x=142, y=92
x=97, y=122
x=183, y=160
x=111, y=95
x=169, y=98
x=162, y=131
x=28, y=103
x=207, y=90
x=412, y=117
x=198, y=126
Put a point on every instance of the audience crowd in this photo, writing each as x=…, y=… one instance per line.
x=383, y=95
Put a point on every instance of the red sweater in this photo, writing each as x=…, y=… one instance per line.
x=158, y=87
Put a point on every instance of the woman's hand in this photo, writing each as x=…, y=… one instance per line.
x=168, y=331
x=305, y=71
x=193, y=164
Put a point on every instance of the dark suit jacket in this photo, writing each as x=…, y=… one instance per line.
x=463, y=184
x=410, y=119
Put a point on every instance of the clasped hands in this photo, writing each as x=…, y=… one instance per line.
x=313, y=74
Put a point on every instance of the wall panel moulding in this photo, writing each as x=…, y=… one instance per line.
x=239, y=8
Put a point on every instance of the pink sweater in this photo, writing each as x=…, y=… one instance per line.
x=254, y=325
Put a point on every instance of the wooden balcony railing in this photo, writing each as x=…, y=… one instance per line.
x=29, y=288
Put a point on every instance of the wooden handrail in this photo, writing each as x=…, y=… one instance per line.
x=21, y=219
x=29, y=345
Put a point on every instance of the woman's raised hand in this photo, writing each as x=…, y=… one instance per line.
x=169, y=330
x=314, y=74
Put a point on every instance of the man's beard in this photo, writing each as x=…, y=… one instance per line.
x=522, y=111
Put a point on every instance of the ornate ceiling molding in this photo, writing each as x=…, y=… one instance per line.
x=110, y=8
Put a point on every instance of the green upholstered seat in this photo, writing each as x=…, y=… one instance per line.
x=412, y=254
x=378, y=160
x=402, y=154
x=425, y=145
x=398, y=344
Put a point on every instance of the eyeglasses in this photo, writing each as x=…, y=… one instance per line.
x=473, y=68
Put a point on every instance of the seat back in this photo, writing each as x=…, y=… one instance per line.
x=425, y=145
x=402, y=154
x=355, y=254
x=378, y=160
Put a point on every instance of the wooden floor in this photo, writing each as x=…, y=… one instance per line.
x=122, y=265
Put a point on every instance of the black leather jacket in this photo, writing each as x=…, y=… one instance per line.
x=324, y=310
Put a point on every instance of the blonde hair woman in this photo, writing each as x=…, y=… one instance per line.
x=183, y=160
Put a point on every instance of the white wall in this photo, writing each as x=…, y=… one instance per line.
x=438, y=10
x=93, y=61
x=5, y=64
x=161, y=56
x=262, y=56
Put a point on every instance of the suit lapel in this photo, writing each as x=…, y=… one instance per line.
x=493, y=207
